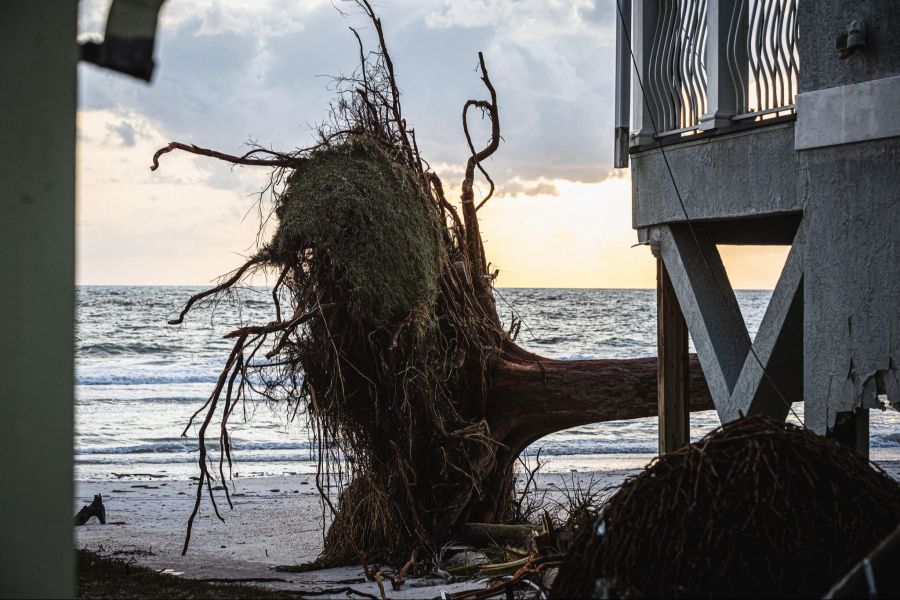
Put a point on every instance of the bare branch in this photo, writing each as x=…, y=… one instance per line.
x=212, y=291
x=201, y=436
x=474, y=246
x=279, y=160
x=270, y=327
x=438, y=187
x=392, y=80
x=475, y=160
x=275, y=291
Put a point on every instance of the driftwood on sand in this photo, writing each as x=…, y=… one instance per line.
x=94, y=509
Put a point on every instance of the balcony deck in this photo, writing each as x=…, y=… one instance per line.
x=687, y=68
x=746, y=174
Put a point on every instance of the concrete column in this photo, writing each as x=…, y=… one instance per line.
x=672, y=369
x=38, y=58
x=710, y=309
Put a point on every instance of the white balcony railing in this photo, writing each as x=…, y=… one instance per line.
x=704, y=64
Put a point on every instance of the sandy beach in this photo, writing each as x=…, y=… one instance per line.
x=275, y=521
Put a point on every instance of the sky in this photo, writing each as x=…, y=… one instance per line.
x=231, y=72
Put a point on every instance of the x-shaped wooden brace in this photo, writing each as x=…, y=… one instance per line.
x=741, y=382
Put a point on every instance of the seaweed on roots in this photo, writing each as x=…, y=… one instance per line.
x=384, y=339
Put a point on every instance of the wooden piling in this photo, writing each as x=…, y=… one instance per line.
x=852, y=429
x=672, y=369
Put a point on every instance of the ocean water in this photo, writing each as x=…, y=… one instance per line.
x=138, y=380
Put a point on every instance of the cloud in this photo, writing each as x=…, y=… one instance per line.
x=519, y=187
x=229, y=71
x=531, y=17
x=168, y=226
x=232, y=71
x=124, y=131
x=92, y=17
x=272, y=18
x=582, y=238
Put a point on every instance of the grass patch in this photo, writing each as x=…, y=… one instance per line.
x=116, y=578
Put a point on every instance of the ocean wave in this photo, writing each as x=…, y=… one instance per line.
x=889, y=440
x=175, y=453
x=118, y=400
x=181, y=446
x=262, y=449
x=621, y=342
x=114, y=349
x=181, y=452
x=588, y=447
x=578, y=357
x=554, y=340
x=144, y=379
x=167, y=446
x=174, y=459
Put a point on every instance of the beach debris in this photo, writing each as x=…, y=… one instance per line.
x=757, y=508
x=94, y=509
x=498, y=534
x=466, y=561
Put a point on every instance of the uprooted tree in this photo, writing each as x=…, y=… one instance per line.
x=385, y=332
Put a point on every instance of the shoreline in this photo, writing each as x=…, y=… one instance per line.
x=551, y=465
x=560, y=464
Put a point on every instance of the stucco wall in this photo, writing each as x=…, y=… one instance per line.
x=747, y=174
x=852, y=198
x=821, y=21
x=852, y=280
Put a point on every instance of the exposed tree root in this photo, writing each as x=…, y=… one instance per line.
x=417, y=398
x=755, y=509
x=250, y=158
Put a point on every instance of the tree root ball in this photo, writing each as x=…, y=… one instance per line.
x=366, y=217
x=385, y=333
x=755, y=509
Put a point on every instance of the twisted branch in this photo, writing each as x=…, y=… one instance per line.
x=474, y=244
x=279, y=160
x=475, y=160
x=212, y=291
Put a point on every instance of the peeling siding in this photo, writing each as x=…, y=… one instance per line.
x=852, y=317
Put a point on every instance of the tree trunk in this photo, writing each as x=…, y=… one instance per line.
x=531, y=399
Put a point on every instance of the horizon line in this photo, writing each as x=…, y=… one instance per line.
x=534, y=287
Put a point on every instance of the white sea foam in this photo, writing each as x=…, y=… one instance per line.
x=190, y=446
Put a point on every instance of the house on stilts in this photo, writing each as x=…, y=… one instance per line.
x=770, y=122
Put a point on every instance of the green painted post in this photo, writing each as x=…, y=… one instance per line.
x=38, y=57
